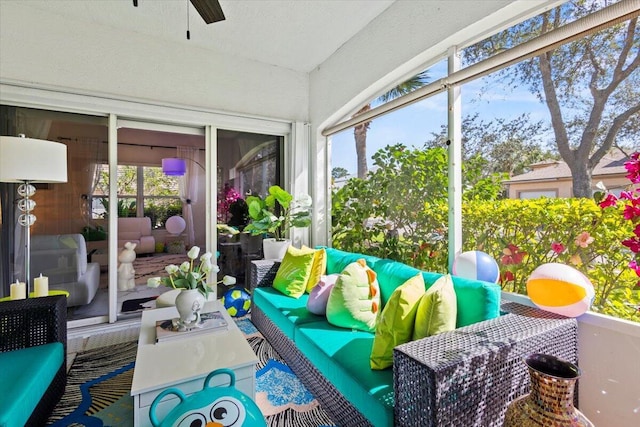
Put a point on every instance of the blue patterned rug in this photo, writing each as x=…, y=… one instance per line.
x=99, y=381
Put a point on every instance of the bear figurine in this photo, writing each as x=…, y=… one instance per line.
x=126, y=273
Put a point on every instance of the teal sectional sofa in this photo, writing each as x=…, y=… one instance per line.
x=33, y=338
x=334, y=364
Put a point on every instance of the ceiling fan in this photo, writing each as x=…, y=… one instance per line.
x=209, y=10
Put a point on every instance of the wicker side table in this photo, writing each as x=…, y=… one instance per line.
x=468, y=376
x=262, y=272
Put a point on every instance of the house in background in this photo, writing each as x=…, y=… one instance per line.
x=552, y=178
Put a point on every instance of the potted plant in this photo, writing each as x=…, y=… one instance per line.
x=275, y=215
x=190, y=278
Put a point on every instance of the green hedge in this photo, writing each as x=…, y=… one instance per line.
x=519, y=234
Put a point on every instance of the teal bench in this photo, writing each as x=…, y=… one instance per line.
x=33, y=339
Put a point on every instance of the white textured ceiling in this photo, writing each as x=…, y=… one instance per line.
x=294, y=34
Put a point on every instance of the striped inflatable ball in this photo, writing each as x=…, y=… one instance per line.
x=560, y=289
x=476, y=265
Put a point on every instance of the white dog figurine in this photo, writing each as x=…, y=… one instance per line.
x=126, y=273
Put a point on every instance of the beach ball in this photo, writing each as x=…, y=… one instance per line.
x=476, y=265
x=560, y=289
x=237, y=301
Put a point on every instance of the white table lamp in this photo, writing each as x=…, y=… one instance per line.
x=27, y=161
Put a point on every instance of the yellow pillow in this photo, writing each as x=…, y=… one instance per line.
x=318, y=268
x=395, y=325
x=293, y=274
x=437, y=310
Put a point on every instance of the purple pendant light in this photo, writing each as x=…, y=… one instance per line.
x=174, y=166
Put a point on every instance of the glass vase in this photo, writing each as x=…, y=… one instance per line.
x=550, y=402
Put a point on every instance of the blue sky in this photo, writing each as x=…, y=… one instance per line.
x=413, y=125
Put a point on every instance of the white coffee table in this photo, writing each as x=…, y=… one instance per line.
x=185, y=363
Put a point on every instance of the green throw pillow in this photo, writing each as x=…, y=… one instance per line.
x=395, y=325
x=437, y=309
x=354, y=301
x=319, y=267
x=294, y=271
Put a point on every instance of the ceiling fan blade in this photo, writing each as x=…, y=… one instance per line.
x=210, y=10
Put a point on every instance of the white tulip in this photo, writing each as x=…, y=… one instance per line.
x=171, y=269
x=206, y=257
x=185, y=266
x=153, y=282
x=193, y=252
x=229, y=280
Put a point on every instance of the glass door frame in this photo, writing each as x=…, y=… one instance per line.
x=22, y=95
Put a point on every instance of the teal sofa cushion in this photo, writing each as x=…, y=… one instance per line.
x=283, y=310
x=337, y=260
x=24, y=378
x=477, y=300
x=392, y=274
x=342, y=356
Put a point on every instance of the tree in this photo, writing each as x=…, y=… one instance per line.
x=385, y=217
x=590, y=86
x=506, y=146
x=338, y=172
x=360, y=131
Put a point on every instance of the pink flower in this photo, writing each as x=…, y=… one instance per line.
x=575, y=260
x=635, y=267
x=632, y=243
x=633, y=167
x=557, y=247
x=610, y=200
x=632, y=211
x=512, y=255
x=626, y=195
x=507, y=276
x=584, y=239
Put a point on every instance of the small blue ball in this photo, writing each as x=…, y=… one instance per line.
x=237, y=301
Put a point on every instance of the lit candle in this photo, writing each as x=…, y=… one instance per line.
x=18, y=290
x=41, y=286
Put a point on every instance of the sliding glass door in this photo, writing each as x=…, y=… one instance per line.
x=247, y=164
x=115, y=159
x=160, y=210
x=66, y=237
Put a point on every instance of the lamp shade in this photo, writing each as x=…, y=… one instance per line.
x=174, y=166
x=35, y=160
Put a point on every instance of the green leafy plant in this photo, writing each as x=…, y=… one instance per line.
x=400, y=211
x=94, y=233
x=277, y=213
x=385, y=217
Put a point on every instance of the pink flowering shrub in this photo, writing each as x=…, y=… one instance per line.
x=630, y=202
x=226, y=197
x=523, y=234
